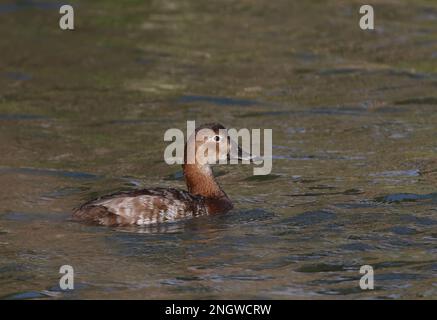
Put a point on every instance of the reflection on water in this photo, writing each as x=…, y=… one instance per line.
x=354, y=125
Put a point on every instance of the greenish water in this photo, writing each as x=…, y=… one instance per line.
x=354, y=119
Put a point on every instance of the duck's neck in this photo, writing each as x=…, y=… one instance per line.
x=200, y=181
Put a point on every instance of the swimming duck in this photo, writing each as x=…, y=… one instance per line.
x=158, y=205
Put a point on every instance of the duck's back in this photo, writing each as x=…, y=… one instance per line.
x=141, y=207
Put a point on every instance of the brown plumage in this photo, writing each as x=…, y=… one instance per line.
x=158, y=205
x=141, y=207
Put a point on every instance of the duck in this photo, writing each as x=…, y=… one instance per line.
x=159, y=205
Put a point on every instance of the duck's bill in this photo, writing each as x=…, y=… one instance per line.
x=237, y=153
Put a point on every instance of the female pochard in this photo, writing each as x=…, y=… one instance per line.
x=157, y=205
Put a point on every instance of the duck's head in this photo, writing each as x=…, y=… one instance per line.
x=210, y=144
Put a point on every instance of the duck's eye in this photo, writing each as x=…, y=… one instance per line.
x=217, y=138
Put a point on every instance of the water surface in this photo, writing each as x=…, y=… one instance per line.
x=353, y=114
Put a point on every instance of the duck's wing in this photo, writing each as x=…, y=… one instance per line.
x=141, y=207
